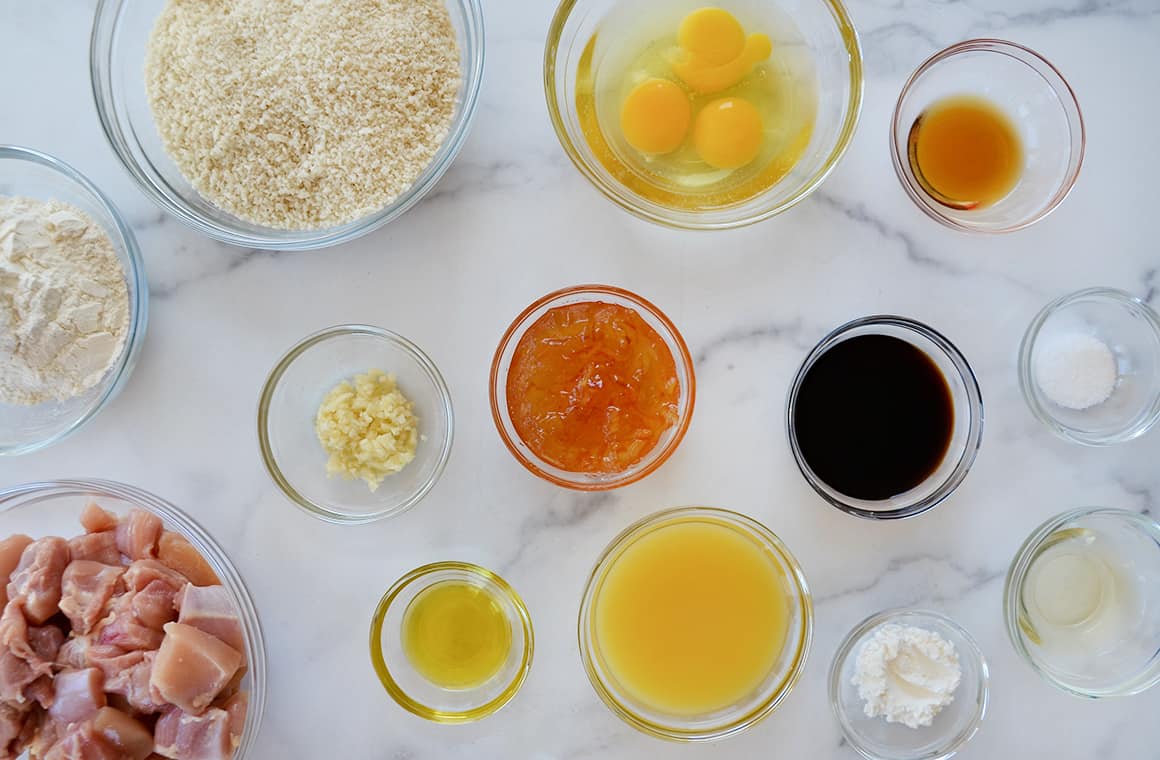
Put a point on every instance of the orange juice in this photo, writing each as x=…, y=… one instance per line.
x=691, y=617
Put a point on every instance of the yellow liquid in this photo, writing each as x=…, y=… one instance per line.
x=638, y=42
x=456, y=635
x=965, y=152
x=691, y=617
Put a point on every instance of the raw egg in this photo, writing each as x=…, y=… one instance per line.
x=655, y=117
x=728, y=133
x=714, y=52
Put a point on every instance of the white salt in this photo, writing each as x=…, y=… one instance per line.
x=1075, y=370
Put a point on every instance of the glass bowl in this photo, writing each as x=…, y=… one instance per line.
x=415, y=693
x=826, y=33
x=53, y=509
x=1113, y=651
x=121, y=31
x=1131, y=330
x=776, y=686
x=583, y=481
x=954, y=725
x=1042, y=107
x=289, y=403
x=967, y=433
x=32, y=174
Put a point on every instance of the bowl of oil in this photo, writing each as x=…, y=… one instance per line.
x=451, y=642
x=704, y=117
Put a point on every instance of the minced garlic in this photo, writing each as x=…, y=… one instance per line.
x=368, y=429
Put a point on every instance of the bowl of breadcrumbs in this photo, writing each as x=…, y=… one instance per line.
x=288, y=125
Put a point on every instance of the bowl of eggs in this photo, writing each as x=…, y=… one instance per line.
x=704, y=117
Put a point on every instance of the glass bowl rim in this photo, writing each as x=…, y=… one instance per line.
x=868, y=624
x=1027, y=386
x=681, y=357
x=974, y=405
x=1017, y=571
x=1028, y=57
x=222, y=565
x=106, y=19
x=424, y=362
x=803, y=640
x=845, y=135
x=136, y=280
x=392, y=687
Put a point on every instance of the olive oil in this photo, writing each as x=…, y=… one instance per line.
x=456, y=635
x=965, y=152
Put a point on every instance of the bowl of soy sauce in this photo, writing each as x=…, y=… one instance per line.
x=884, y=417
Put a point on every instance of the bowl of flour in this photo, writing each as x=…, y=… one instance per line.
x=908, y=685
x=73, y=300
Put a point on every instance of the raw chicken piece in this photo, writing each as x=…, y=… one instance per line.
x=36, y=580
x=210, y=609
x=11, y=723
x=41, y=691
x=121, y=628
x=192, y=667
x=98, y=547
x=127, y=734
x=86, y=588
x=97, y=520
x=82, y=742
x=79, y=694
x=154, y=605
x=15, y=675
x=46, y=642
x=145, y=571
x=132, y=683
x=138, y=533
x=236, y=706
x=181, y=736
x=10, y=550
x=176, y=552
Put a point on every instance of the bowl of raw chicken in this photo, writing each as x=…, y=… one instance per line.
x=126, y=633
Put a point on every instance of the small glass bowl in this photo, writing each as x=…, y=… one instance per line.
x=1042, y=107
x=1127, y=326
x=777, y=684
x=29, y=173
x=583, y=481
x=54, y=508
x=829, y=36
x=118, y=44
x=966, y=399
x=1131, y=664
x=289, y=403
x=955, y=724
x=415, y=693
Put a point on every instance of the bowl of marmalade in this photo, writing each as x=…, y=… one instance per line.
x=592, y=387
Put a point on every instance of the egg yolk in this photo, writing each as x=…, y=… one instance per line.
x=655, y=117
x=728, y=133
x=714, y=52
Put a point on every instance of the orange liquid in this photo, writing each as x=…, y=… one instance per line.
x=592, y=388
x=965, y=152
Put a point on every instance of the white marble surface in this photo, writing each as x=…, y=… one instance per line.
x=513, y=220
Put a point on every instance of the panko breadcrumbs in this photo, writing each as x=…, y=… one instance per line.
x=368, y=429
x=302, y=114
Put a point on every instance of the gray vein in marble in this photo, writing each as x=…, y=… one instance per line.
x=770, y=332
x=1042, y=17
x=577, y=509
x=976, y=579
x=232, y=263
x=1141, y=493
x=1149, y=285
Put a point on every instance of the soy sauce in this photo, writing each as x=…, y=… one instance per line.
x=873, y=417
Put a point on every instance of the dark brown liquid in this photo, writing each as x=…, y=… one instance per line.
x=873, y=417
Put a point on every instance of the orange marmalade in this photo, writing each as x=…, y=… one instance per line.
x=592, y=388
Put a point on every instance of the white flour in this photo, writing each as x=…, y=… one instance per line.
x=64, y=304
x=906, y=674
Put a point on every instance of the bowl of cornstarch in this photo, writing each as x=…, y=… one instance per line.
x=73, y=300
x=1089, y=366
x=286, y=126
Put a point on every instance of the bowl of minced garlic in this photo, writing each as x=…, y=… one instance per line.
x=355, y=424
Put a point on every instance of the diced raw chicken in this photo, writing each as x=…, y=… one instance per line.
x=36, y=580
x=73, y=653
x=46, y=642
x=10, y=550
x=97, y=520
x=15, y=675
x=176, y=552
x=138, y=533
x=154, y=605
x=126, y=733
x=121, y=628
x=11, y=723
x=132, y=683
x=145, y=571
x=210, y=609
x=82, y=742
x=236, y=706
x=181, y=736
x=79, y=694
x=98, y=547
x=41, y=691
x=192, y=667
x=86, y=588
